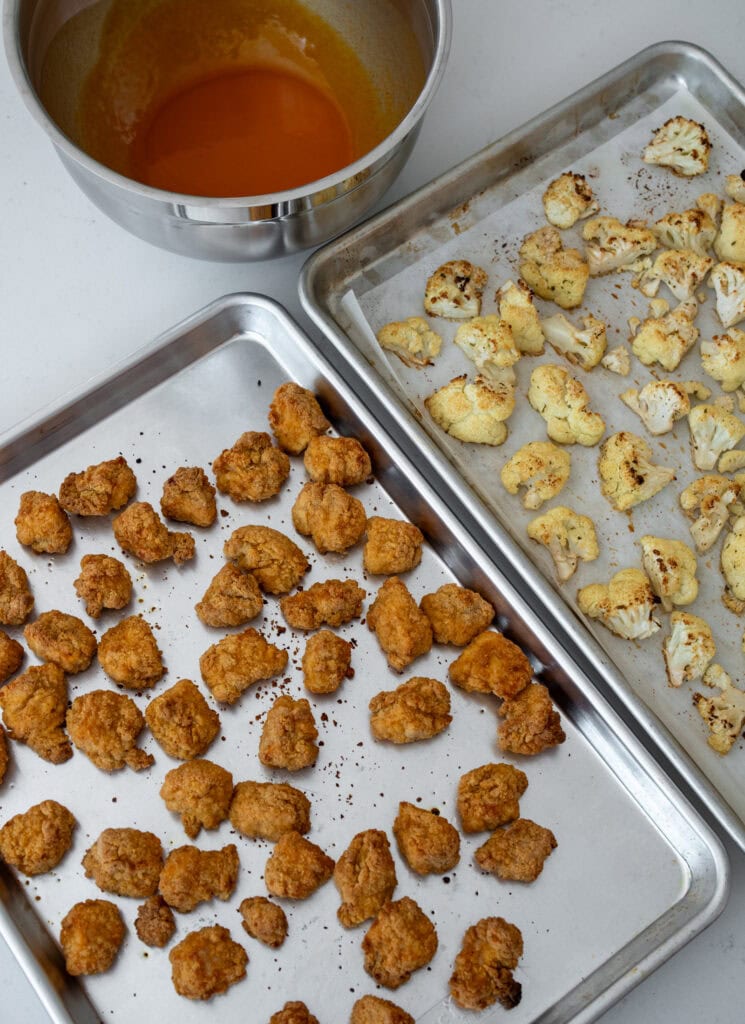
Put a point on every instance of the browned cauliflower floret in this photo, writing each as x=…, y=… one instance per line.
x=723, y=358
x=333, y=519
x=473, y=411
x=100, y=489
x=733, y=567
x=725, y=713
x=104, y=582
x=661, y=402
x=295, y=418
x=189, y=497
x=454, y=290
x=682, y=270
x=671, y=568
x=734, y=186
x=627, y=475
x=337, y=460
x=564, y=404
x=141, y=532
x=568, y=536
x=568, y=199
x=42, y=524
x=516, y=307
x=713, y=430
x=487, y=341
x=611, y=245
x=252, y=469
x=728, y=282
x=541, y=467
x=200, y=792
x=617, y=360
x=664, y=338
x=682, y=145
x=482, y=974
x=554, y=273
x=691, y=229
x=288, y=737
x=412, y=340
x=581, y=348
x=16, y=599
x=625, y=605
x=689, y=648
x=730, y=242
x=707, y=502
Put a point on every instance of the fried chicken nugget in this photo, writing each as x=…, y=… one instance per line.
x=288, y=737
x=200, y=792
x=331, y=603
x=36, y=841
x=400, y=940
x=62, y=639
x=42, y=524
x=4, y=755
x=489, y=796
x=276, y=562
x=457, y=614
x=517, y=853
x=233, y=598
x=392, y=546
x=206, y=963
x=11, y=656
x=264, y=921
x=238, y=661
x=337, y=460
x=296, y=867
x=253, y=469
x=333, y=519
x=104, y=582
x=182, y=721
x=374, y=1010
x=155, y=923
x=141, y=532
x=531, y=722
x=104, y=726
x=125, y=861
x=483, y=968
x=266, y=810
x=191, y=876
x=99, y=489
x=91, y=935
x=189, y=497
x=429, y=844
x=492, y=664
x=365, y=876
x=416, y=710
x=16, y=599
x=34, y=706
x=293, y=1013
x=295, y=418
x=326, y=662
x=403, y=630
x=129, y=654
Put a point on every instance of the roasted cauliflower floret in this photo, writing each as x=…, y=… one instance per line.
x=625, y=605
x=539, y=466
x=665, y=338
x=714, y=429
x=725, y=713
x=711, y=204
x=568, y=199
x=564, y=405
x=734, y=186
x=707, y=502
x=661, y=402
x=627, y=475
x=612, y=245
x=617, y=360
x=412, y=340
x=582, y=348
x=671, y=567
x=730, y=242
x=682, y=270
x=568, y=536
x=728, y=282
x=723, y=358
x=733, y=567
x=473, y=411
x=690, y=229
x=516, y=307
x=487, y=341
x=454, y=290
x=557, y=274
x=689, y=648
x=682, y=145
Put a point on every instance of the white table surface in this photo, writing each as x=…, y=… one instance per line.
x=77, y=293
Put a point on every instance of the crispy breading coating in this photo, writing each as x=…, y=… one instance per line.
x=99, y=489
x=91, y=935
x=266, y=810
x=517, y=853
x=34, y=706
x=253, y=469
x=483, y=968
x=37, y=840
x=333, y=519
x=296, y=867
x=155, y=923
x=105, y=726
x=326, y=662
x=288, y=737
x=331, y=603
x=531, y=722
x=489, y=796
x=492, y=664
x=200, y=791
x=238, y=661
x=141, y=532
x=206, y=963
x=16, y=599
x=129, y=655
x=296, y=418
x=293, y=1013
x=264, y=921
x=392, y=546
x=337, y=460
x=429, y=844
x=189, y=497
x=42, y=524
x=182, y=721
x=4, y=755
x=365, y=876
x=11, y=656
x=125, y=861
x=62, y=639
x=191, y=876
x=374, y=1010
x=400, y=940
x=276, y=562
x=457, y=614
x=403, y=630
x=104, y=582
x=232, y=599
x=416, y=710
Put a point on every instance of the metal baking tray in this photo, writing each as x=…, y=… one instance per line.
x=480, y=211
x=637, y=873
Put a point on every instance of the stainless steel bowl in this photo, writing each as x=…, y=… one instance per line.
x=249, y=227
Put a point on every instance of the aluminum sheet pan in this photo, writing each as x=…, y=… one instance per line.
x=636, y=873
x=480, y=211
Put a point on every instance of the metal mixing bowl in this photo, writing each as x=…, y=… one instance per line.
x=249, y=227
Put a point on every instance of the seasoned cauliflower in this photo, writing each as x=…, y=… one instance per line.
x=682, y=270
x=671, y=567
x=563, y=403
x=454, y=290
x=661, y=402
x=568, y=199
x=539, y=466
x=412, y=340
x=516, y=307
x=733, y=567
x=734, y=186
x=728, y=282
x=731, y=461
x=711, y=204
x=665, y=338
x=487, y=341
x=582, y=348
x=724, y=714
x=553, y=272
x=689, y=648
x=472, y=411
x=568, y=536
x=612, y=245
x=723, y=358
x=714, y=429
x=730, y=242
x=627, y=475
x=625, y=605
x=691, y=229
x=617, y=360
x=707, y=502
x=680, y=144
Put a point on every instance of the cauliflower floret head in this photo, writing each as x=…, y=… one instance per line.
x=682, y=145
x=665, y=339
x=617, y=360
x=412, y=340
x=707, y=502
x=487, y=341
x=671, y=567
x=473, y=411
x=661, y=402
x=568, y=536
x=682, y=270
x=733, y=567
x=582, y=348
x=568, y=199
x=691, y=229
x=625, y=605
x=689, y=648
x=728, y=282
x=454, y=290
x=516, y=307
x=730, y=242
x=541, y=467
x=553, y=272
x=612, y=245
x=627, y=476
x=713, y=430
x=734, y=186
x=711, y=204
x=723, y=358
x=725, y=713
x=563, y=403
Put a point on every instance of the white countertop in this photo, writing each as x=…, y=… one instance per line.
x=78, y=293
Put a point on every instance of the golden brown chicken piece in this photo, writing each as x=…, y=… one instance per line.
x=333, y=519
x=91, y=935
x=517, y=853
x=457, y=614
x=37, y=840
x=403, y=630
x=392, y=546
x=365, y=876
x=206, y=963
x=16, y=599
x=200, y=791
x=374, y=1010
x=104, y=582
x=276, y=562
x=400, y=940
x=489, y=796
x=337, y=460
x=233, y=598
x=129, y=654
x=141, y=532
x=266, y=810
x=483, y=968
x=416, y=710
x=264, y=921
x=296, y=867
x=191, y=876
x=531, y=722
x=125, y=861
x=99, y=489
x=42, y=524
x=293, y=1013
x=189, y=497
x=182, y=721
x=326, y=662
x=105, y=726
x=429, y=844
x=331, y=603
x=11, y=656
x=34, y=706
x=238, y=661
x=62, y=639
x=288, y=737
x=296, y=418
x=492, y=664
x=155, y=923
x=253, y=469
x=4, y=755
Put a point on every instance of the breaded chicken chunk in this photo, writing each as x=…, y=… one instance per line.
x=37, y=840
x=326, y=662
x=489, y=796
x=483, y=968
x=531, y=722
x=333, y=519
x=141, y=532
x=457, y=614
x=276, y=562
x=98, y=490
x=155, y=923
x=11, y=656
x=331, y=603
x=416, y=710
x=232, y=599
x=492, y=664
x=189, y=497
x=105, y=726
x=517, y=853
x=182, y=721
x=125, y=861
x=4, y=755
x=238, y=661
x=34, y=706
x=296, y=418
x=16, y=599
x=62, y=639
x=392, y=546
x=200, y=791
x=253, y=469
x=91, y=935
x=42, y=524
x=206, y=963
x=104, y=582
x=374, y=1010
x=403, y=630
x=191, y=876
x=293, y=1013
x=267, y=810
x=365, y=876
x=429, y=844
x=129, y=654
x=264, y=921
x=288, y=737
x=296, y=868
x=337, y=460
x=400, y=940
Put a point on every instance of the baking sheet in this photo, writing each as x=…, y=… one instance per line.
x=636, y=872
